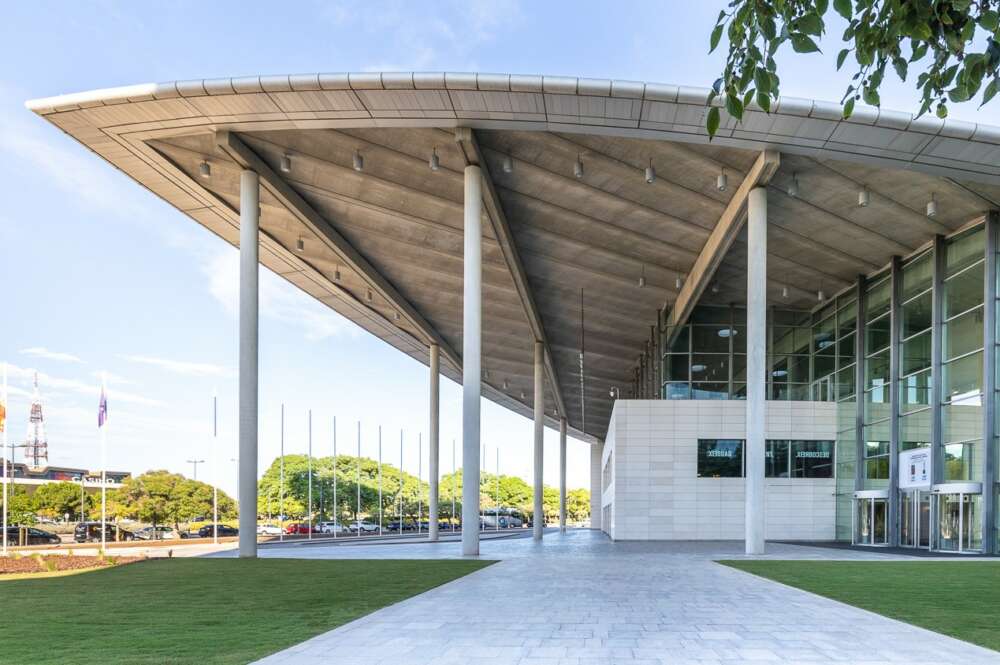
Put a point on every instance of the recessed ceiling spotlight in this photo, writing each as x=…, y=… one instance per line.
x=205, y=169
x=864, y=197
x=722, y=182
x=508, y=164
x=578, y=168
x=932, y=206
x=286, y=163
x=650, y=173
x=434, y=163
x=793, y=186
x=359, y=162
x=300, y=244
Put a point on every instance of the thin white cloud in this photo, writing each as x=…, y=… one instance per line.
x=184, y=367
x=279, y=300
x=47, y=354
x=90, y=388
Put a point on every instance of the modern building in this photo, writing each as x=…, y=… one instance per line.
x=27, y=476
x=786, y=332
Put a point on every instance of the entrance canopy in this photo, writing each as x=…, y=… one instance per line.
x=605, y=203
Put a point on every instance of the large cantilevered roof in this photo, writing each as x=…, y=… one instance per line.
x=563, y=248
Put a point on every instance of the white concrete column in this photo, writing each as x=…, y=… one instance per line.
x=562, y=475
x=596, y=455
x=249, y=237
x=472, y=324
x=756, y=368
x=435, y=454
x=538, y=521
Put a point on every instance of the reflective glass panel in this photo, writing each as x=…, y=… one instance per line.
x=811, y=459
x=963, y=334
x=964, y=250
x=964, y=291
x=916, y=315
x=776, y=459
x=963, y=461
x=877, y=300
x=963, y=378
x=915, y=391
x=676, y=367
x=961, y=422
x=916, y=353
x=709, y=390
x=710, y=339
x=720, y=458
x=917, y=275
x=877, y=335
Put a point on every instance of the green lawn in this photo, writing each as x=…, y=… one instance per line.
x=200, y=610
x=957, y=598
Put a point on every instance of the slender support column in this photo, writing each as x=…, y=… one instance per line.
x=538, y=521
x=596, y=485
x=249, y=232
x=896, y=335
x=990, y=386
x=562, y=475
x=472, y=319
x=435, y=453
x=937, y=345
x=859, y=390
x=756, y=384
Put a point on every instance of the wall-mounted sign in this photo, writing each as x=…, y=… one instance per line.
x=915, y=468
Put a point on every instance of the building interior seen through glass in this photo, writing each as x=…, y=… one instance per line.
x=902, y=354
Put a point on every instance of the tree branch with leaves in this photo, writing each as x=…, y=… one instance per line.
x=955, y=42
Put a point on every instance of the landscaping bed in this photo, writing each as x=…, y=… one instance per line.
x=16, y=565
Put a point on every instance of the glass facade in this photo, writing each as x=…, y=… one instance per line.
x=723, y=458
x=905, y=353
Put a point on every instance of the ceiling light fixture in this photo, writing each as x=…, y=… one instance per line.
x=864, y=197
x=369, y=296
x=435, y=163
x=286, y=163
x=395, y=316
x=522, y=394
x=578, y=168
x=650, y=173
x=642, y=276
x=820, y=296
x=784, y=292
x=793, y=186
x=678, y=282
x=205, y=169
x=359, y=162
x=506, y=385
x=300, y=244
x=336, y=274
x=722, y=182
x=715, y=287
x=508, y=164
x=932, y=206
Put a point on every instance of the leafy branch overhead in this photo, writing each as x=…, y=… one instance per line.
x=955, y=43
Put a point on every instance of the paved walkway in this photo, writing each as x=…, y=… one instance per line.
x=579, y=599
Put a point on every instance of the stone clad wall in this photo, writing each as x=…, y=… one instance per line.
x=656, y=494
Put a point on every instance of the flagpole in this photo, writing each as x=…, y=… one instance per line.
x=380, y=480
x=453, y=490
x=357, y=513
x=401, y=482
x=104, y=463
x=3, y=431
x=281, y=480
x=215, y=468
x=309, y=511
x=498, y=489
x=420, y=473
x=336, y=507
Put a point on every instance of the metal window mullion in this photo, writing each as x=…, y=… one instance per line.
x=859, y=390
x=937, y=466
x=895, y=333
x=989, y=385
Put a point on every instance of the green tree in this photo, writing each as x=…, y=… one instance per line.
x=20, y=506
x=956, y=42
x=58, y=499
x=162, y=497
x=577, y=505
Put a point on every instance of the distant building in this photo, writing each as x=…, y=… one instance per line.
x=23, y=474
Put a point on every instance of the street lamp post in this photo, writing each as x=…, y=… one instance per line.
x=195, y=463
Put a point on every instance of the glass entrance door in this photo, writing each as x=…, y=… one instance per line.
x=915, y=518
x=957, y=517
x=871, y=516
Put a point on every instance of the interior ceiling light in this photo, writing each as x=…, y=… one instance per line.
x=205, y=169
x=864, y=197
x=336, y=274
x=727, y=332
x=778, y=373
x=522, y=394
x=793, y=186
x=508, y=164
x=678, y=282
x=932, y=206
x=435, y=163
x=650, y=173
x=784, y=292
x=578, y=168
x=359, y=162
x=698, y=368
x=820, y=296
x=300, y=244
x=642, y=276
x=722, y=182
x=506, y=385
x=286, y=163
x=715, y=287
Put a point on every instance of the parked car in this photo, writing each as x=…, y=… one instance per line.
x=363, y=525
x=268, y=530
x=332, y=527
x=300, y=528
x=32, y=536
x=223, y=529
x=160, y=532
x=394, y=526
x=90, y=532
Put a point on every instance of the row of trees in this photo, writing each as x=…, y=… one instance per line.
x=397, y=488
x=157, y=497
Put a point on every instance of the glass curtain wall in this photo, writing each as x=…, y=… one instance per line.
x=876, y=414
x=916, y=313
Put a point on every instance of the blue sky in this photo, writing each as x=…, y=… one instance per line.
x=100, y=275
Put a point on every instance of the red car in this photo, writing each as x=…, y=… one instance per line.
x=300, y=528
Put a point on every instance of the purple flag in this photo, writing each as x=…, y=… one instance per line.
x=102, y=409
